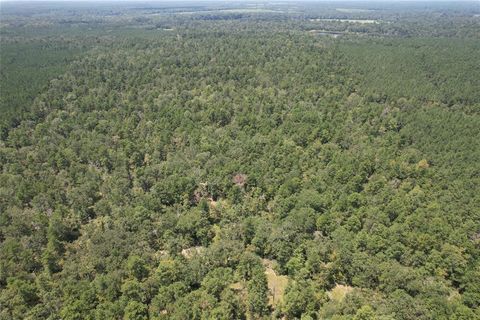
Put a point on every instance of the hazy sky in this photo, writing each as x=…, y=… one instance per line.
x=237, y=1
x=478, y=1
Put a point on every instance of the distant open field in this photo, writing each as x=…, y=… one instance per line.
x=246, y=10
x=363, y=21
x=353, y=10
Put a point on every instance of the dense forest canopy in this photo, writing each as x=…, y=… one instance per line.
x=253, y=160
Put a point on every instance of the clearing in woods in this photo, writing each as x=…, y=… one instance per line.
x=276, y=283
x=339, y=292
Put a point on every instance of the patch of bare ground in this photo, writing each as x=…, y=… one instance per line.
x=192, y=251
x=276, y=283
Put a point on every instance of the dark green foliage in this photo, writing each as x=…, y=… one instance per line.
x=26, y=70
x=187, y=166
x=423, y=69
x=257, y=293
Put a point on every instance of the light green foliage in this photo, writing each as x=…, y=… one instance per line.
x=136, y=311
x=300, y=299
x=217, y=280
